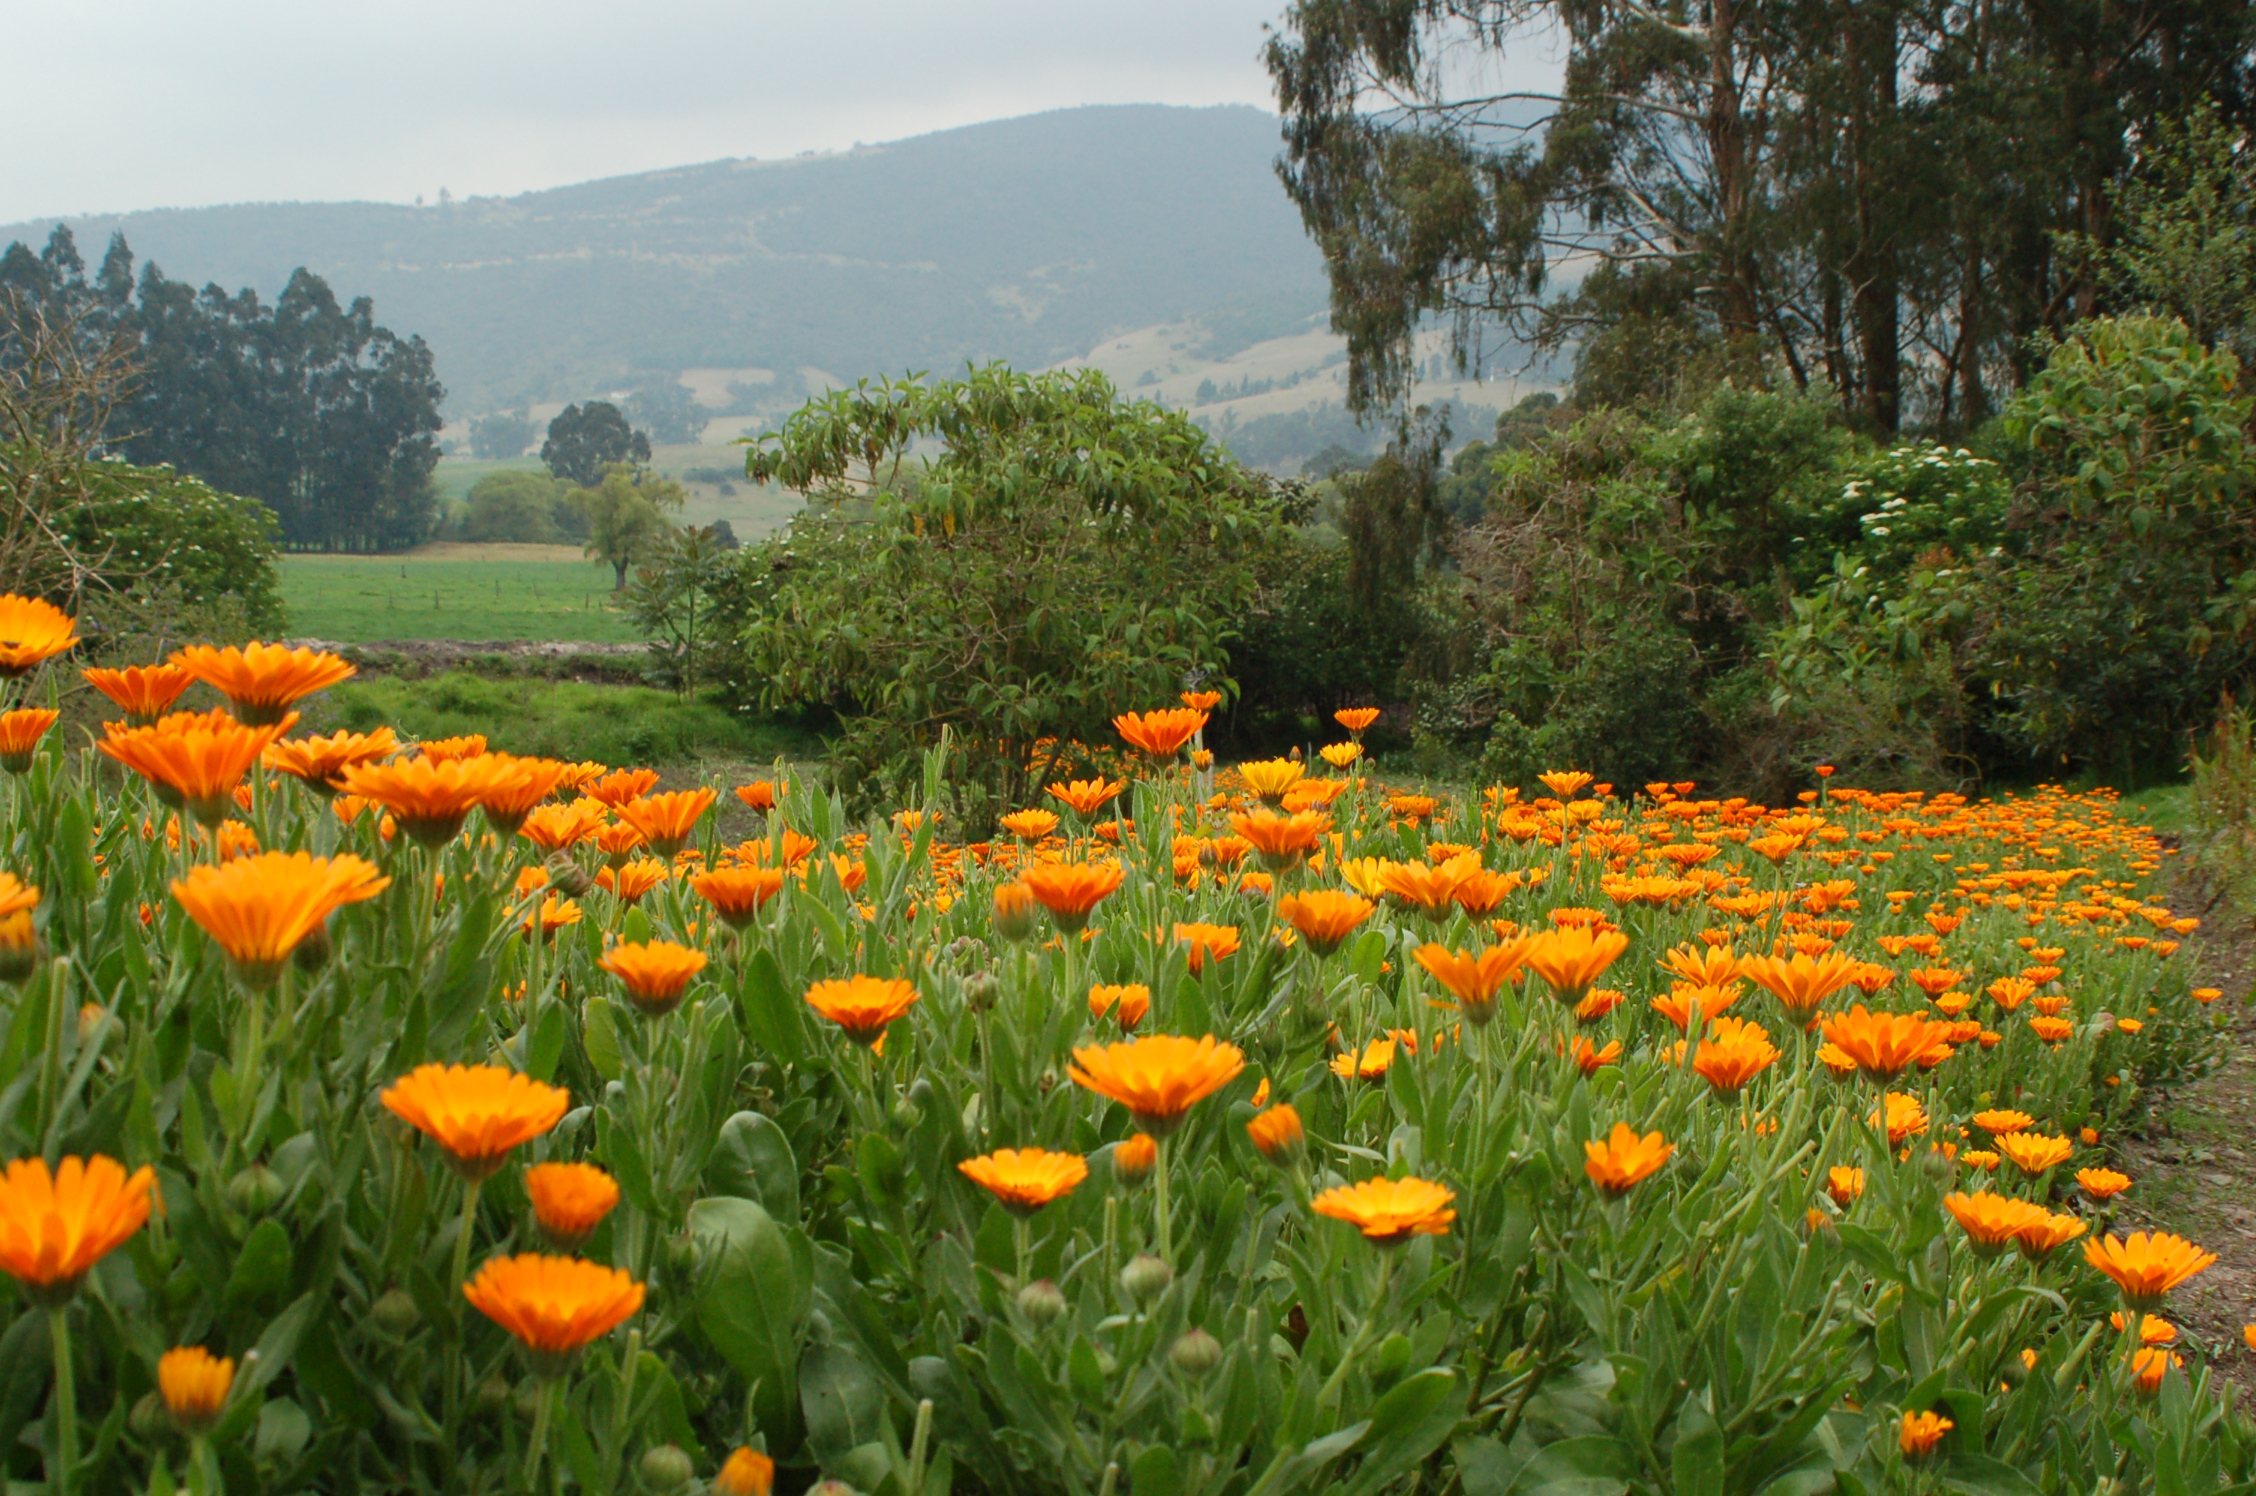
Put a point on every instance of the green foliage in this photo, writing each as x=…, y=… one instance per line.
x=360, y=599
x=1905, y=503
x=1306, y=648
x=1063, y=556
x=584, y=440
x=2223, y=820
x=567, y=719
x=624, y=515
x=673, y=601
x=502, y=435
x=516, y=506
x=153, y=532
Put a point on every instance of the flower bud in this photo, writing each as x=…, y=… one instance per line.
x=91, y=1017
x=492, y=1394
x=1132, y=1161
x=1041, y=1302
x=981, y=991
x=831, y=1488
x=394, y=1312
x=1145, y=1277
x=148, y=1420
x=256, y=1190
x=906, y=1113
x=665, y=1467
x=314, y=950
x=1195, y=1353
x=566, y=876
x=529, y=1400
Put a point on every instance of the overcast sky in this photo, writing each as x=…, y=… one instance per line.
x=154, y=103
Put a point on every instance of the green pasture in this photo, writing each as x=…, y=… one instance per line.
x=360, y=599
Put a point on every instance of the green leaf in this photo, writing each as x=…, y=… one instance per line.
x=843, y=1403
x=1974, y=1474
x=752, y=1160
x=1412, y=1421
x=262, y=1268
x=1697, y=1461
x=756, y=1304
x=1154, y=1473
x=771, y=1015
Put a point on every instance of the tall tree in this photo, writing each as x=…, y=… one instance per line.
x=1861, y=191
x=583, y=440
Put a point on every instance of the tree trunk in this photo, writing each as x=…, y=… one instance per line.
x=620, y=569
x=1873, y=45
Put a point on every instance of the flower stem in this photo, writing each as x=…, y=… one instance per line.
x=1165, y=1206
x=66, y=1403
x=538, y=1444
x=1371, y=1321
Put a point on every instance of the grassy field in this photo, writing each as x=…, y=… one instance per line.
x=473, y=592
x=560, y=719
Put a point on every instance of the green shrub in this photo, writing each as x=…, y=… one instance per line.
x=166, y=546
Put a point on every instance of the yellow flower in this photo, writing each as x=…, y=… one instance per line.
x=1844, y=1185
x=1270, y=778
x=1324, y=917
x=1160, y=1078
x=475, y=1113
x=1340, y=755
x=1277, y=1132
x=1619, y=1163
x=55, y=1227
x=2102, y=1184
x=194, y=1384
x=1085, y=797
x=1390, y=1211
x=2034, y=1152
x=1919, y=1433
x=553, y=1305
x=1030, y=825
x=1026, y=1179
x=1569, y=959
x=1133, y=1000
x=1204, y=943
x=1133, y=1161
x=747, y=1473
x=570, y=1201
x=31, y=631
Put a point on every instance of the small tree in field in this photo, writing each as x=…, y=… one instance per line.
x=626, y=517
x=1063, y=555
x=671, y=601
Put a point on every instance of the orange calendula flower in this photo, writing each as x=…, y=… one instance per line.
x=194, y=1384
x=1572, y=957
x=1844, y=1185
x=2146, y=1267
x=667, y=820
x=1282, y=841
x=475, y=1113
x=2152, y=1329
x=2010, y=992
x=1731, y=1054
x=1919, y=1433
x=1686, y=1005
x=1907, y=1117
x=760, y=794
x=863, y=1006
x=260, y=908
x=1624, y=1159
x=1475, y=980
x=1706, y=966
x=194, y=761
x=1800, y=983
x=1563, y=782
x=2149, y=1365
x=622, y=785
x=507, y=803
x=1277, y=1133
x=2043, y=1231
x=1026, y=1179
x=1161, y=734
x=1132, y=999
x=1071, y=891
x=1371, y=1064
x=55, y=1227
x=1030, y=825
x=1133, y=1161
x=1998, y=1122
x=556, y=827
x=262, y=681
x=2033, y=1152
x=1589, y=1060
x=1992, y=1222
x=143, y=692
x=430, y=797
x=570, y=1201
x=441, y=750
x=1203, y=943
x=320, y=762
x=737, y=893
x=1325, y=917
x=1085, y=797
x=1390, y=1211
x=1160, y=1078
x=31, y=631
x=655, y=973
x=553, y=914
x=553, y=1305
x=2051, y=1030
x=747, y=1473
x=20, y=732
x=1884, y=1045
x=1200, y=701
x=2102, y=1184
x=634, y=879
x=1340, y=755
x=1356, y=719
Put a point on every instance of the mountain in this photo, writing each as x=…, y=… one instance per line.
x=1031, y=240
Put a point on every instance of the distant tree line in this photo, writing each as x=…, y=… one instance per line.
x=304, y=404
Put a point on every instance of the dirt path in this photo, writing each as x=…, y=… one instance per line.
x=2195, y=1164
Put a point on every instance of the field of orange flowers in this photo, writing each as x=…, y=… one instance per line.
x=393, y=1116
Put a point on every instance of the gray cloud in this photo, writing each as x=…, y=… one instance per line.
x=151, y=103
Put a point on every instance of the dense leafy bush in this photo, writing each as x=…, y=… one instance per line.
x=159, y=542
x=532, y=508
